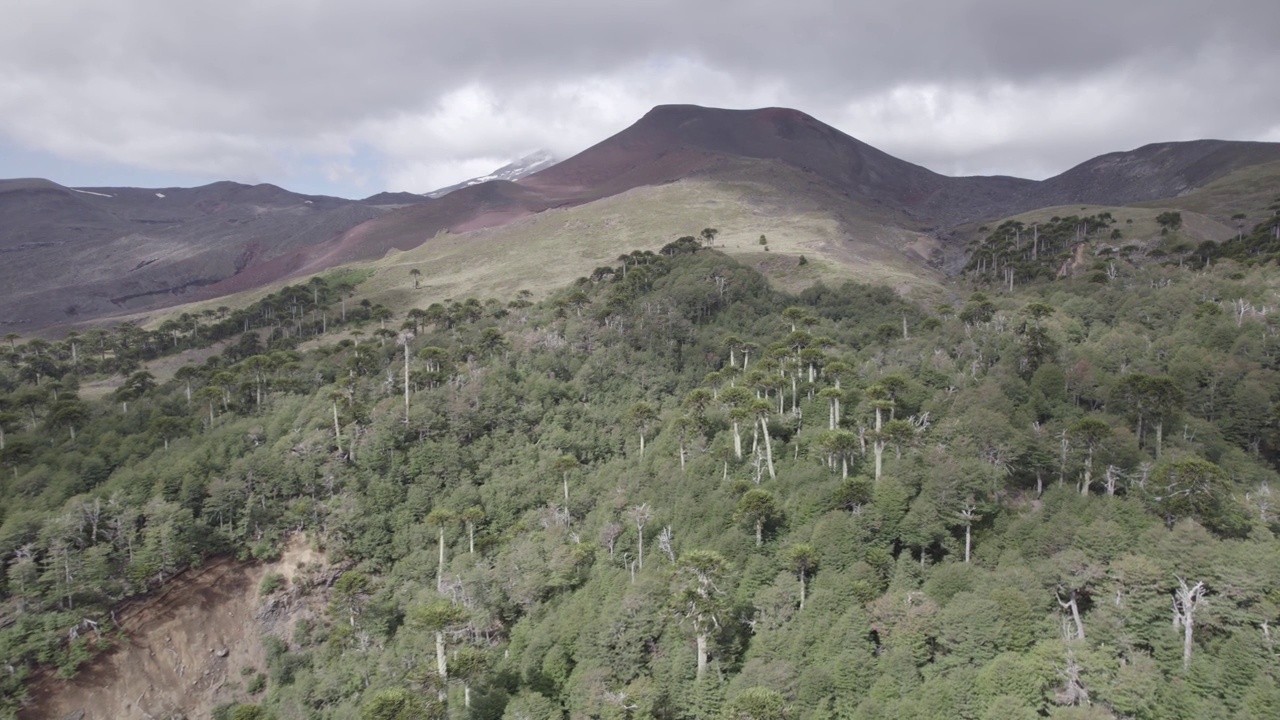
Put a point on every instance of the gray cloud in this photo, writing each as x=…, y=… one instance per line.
x=357, y=97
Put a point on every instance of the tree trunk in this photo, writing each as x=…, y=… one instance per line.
x=337, y=429
x=406, y=380
x=1062, y=459
x=877, y=446
x=802, y=590
x=1187, y=633
x=768, y=448
x=1074, y=607
x=1186, y=600
x=759, y=532
x=737, y=440
x=641, y=446
x=471, y=538
x=968, y=541
x=1159, y=438
x=1088, y=473
x=440, y=569
x=442, y=668
x=702, y=655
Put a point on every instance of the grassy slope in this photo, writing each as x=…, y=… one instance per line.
x=1138, y=224
x=1250, y=190
x=546, y=251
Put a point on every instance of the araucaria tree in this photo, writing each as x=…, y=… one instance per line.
x=882, y=404
x=642, y=415
x=700, y=598
x=1151, y=400
x=440, y=617
x=762, y=409
x=758, y=508
x=640, y=515
x=1090, y=433
x=566, y=464
x=738, y=401
x=803, y=561
x=440, y=518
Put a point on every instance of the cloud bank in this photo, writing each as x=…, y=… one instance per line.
x=355, y=98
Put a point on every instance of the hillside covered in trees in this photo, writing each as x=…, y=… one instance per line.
x=669, y=491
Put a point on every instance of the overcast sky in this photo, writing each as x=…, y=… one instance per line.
x=351, y=98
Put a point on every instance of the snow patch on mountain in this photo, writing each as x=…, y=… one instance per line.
x=527, y=165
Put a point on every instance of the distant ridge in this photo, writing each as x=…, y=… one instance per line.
x=1153, y=172
x=73, y=254
x=79, y=253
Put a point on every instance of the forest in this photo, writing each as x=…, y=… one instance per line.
x=671, y=491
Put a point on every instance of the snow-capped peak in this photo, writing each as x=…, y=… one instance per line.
x=527, y=165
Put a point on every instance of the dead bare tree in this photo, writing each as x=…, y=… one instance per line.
x=1074, y=606
x=1186, y=600
x=640, y=515
x=609, y=536
x=665, y=539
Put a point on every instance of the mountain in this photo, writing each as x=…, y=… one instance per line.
x=1153, y=172
x=75, y=254
x=675, y=141
x=80, y=253
x=527, y=165
x=398, y=199
x=853, y=180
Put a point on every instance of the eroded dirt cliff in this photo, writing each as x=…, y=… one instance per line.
x=194, y=646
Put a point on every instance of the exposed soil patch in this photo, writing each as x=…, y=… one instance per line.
x=187, y=645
